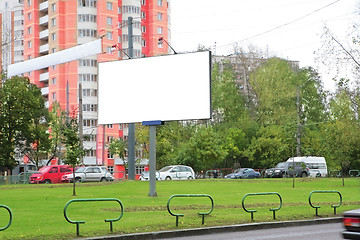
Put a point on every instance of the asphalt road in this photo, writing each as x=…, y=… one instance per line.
x=330, y=231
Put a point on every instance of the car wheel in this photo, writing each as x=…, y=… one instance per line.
x=47, y=181
x=77, y=180
x=168, y=178
x=190, y=178
x=103, y=180
x=304, y=175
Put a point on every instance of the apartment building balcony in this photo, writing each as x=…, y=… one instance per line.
x=44, y=20
x=44, y=48
x=43, y=35
x=44, y=77
x=44, y=6
x=45, y=91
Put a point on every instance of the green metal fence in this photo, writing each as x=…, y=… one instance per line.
x=93, y=200
x=177, y=215
x=10, y=219
x=251, y=211
x=325, y=191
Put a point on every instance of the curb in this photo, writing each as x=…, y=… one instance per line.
x=218, y=229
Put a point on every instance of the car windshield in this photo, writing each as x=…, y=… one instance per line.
x=44, y=169
x=165, y=169
x=281, y=165
x=80, y=170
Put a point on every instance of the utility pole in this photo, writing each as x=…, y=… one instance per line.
x=131, y=126
x=298, y=139
x=80, y=118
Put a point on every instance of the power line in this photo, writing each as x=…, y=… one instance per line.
x=278, y=27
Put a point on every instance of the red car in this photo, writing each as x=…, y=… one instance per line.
x=50, y=174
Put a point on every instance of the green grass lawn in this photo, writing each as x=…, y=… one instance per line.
x=38, y=209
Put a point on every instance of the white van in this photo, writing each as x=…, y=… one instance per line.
x=317, y=165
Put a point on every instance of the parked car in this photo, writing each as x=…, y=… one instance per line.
x=176, y=172
x=89, y=174
x=50, y=174
x=317, y=165
x=285, y=169
x=145, y=176
x=351, y=222
x=243, y=173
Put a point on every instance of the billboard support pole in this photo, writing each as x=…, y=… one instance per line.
x=152, y=155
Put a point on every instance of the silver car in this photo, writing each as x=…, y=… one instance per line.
x=89, y=174
x=176, y=172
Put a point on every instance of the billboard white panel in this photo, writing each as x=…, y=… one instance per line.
x=165, y=88
x=67, y=55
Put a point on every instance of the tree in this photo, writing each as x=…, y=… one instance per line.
x=74, y=149
x=227, y=101
x=274, y=85
x=118, y=147
x=22, y=119
x=203, y=150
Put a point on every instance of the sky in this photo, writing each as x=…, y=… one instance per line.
x=290, y=29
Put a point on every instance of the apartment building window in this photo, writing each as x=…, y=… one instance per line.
x=87, y=33
x=109, y=21
x=143, y=43
x=160, y=44
x=53, y=7
x=160, y=30
x=90, y=153
x=119, y=10
x=109, y=138
x=90, y=123
x=143, y=2
x=53, y=50
x=53, y=96
x=109, y=35
x=53, y=81
x=111, y=169
x=159, y=3
x=29, y=2
x=89, y=107
x=109, y=6
x=119, y=39
x=87, y=63
x=53, y=36
x=53, y=22
x=110, y=156
x=88, y=77
x=131, y=9
x=29, y=44
x=87, y=3
x=29, y=30
x=159, y=16
x=29, y=16
x=143, y=15
x=89, y=92
x=90, y=138
x=87, y=18
x=120, y=126
x=110, y=126
x=143, y=29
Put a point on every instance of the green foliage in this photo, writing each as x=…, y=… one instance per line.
x=22, y=120
x=272, y=145
x=275, y=88
x=117, y=147
x=72, y=142
x=227, y=101
x=203, y=150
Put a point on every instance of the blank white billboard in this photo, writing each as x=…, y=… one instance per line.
x=165, y=88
